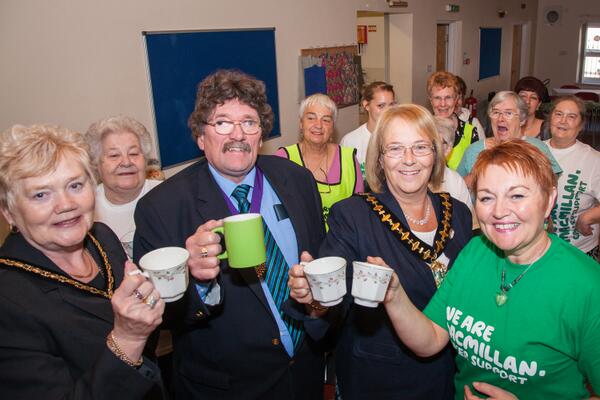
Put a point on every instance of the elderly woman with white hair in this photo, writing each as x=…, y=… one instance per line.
x=508, y=114
x=75, y=316
x=334, y=167
x=120, y=148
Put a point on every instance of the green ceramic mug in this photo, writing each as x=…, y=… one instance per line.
x=244, y=240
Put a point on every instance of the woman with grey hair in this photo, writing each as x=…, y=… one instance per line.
x=575, y=221
x=508, y=114
x=334, y=167
x=75, y=315
x=120, y=148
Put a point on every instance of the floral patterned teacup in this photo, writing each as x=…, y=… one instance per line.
x=369, y=283
x=327, y=279
x=167, y=269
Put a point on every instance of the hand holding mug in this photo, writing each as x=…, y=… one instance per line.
x=395, y=292
x=137, y=309
x=204, y=246
x=297, y=282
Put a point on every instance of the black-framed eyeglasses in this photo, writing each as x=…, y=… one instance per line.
x=225, y=126
x=399, y=151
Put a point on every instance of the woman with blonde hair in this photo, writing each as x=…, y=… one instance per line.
x=418, y=233
x=75, y=314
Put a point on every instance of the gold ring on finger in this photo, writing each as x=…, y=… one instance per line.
x=151, y=301
x=203, y=252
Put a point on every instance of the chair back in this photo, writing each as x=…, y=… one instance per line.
x=590, y=96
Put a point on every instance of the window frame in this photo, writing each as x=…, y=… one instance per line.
x=584, y=53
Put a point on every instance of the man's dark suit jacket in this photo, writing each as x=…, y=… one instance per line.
x=232, y=350
x=53, y=336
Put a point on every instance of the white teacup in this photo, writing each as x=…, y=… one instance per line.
x=327, y=279
x=369, y=283
x=167, y=269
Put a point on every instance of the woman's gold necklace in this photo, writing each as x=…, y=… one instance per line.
x=88, y=261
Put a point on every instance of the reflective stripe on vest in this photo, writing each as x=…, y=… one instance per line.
x=457, y=151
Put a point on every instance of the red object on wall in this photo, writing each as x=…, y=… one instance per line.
x=471, y=104
x=361, y=34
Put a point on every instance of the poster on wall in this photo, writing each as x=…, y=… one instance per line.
x=490, y=46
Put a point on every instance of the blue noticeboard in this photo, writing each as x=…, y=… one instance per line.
x=490, y=45
x=178, y=61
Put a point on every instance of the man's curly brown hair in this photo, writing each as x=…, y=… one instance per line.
x=224, y=85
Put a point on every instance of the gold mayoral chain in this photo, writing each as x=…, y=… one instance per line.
x=408, y=239
x=64, y=279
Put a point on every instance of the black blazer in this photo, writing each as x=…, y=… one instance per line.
x=371, y=361
x=53, y=336
x=232, y=350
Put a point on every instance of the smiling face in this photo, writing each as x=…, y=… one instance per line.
x=316, y=124
x=503, y=126
x=511, y=209
x=409, y=175
x=381, y=100
x=122, y=165
x=232, y=155
x=54, y=211
x=443, y=101
x=565, y=124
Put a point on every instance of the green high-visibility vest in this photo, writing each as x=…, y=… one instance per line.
x=331, y=193
x=457, y=151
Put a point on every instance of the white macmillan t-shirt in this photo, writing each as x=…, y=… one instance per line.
x=119, y=217
x=578, y=190
x=359, y=139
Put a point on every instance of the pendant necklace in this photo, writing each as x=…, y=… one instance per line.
x=502, y=295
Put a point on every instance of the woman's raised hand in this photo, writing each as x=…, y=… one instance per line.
x=137, y=309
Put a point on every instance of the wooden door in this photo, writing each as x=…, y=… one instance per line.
x=441, y=48
x=515, y=64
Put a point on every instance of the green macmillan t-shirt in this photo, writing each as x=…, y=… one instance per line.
x=540, y=342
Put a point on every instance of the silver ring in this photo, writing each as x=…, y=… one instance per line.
x=151, y=301
x=138, y=295
x=203, y=252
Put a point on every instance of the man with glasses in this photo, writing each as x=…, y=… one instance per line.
x=237, y=335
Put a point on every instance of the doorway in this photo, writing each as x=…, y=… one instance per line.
x=441, y=47
x=387, y=54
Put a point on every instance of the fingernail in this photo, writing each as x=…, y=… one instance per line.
x=138, y=272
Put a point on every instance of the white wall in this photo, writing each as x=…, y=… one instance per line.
x=71, y=62
x=473, y=14
x=373, y=53
x=401, y=55
x=557, y=47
